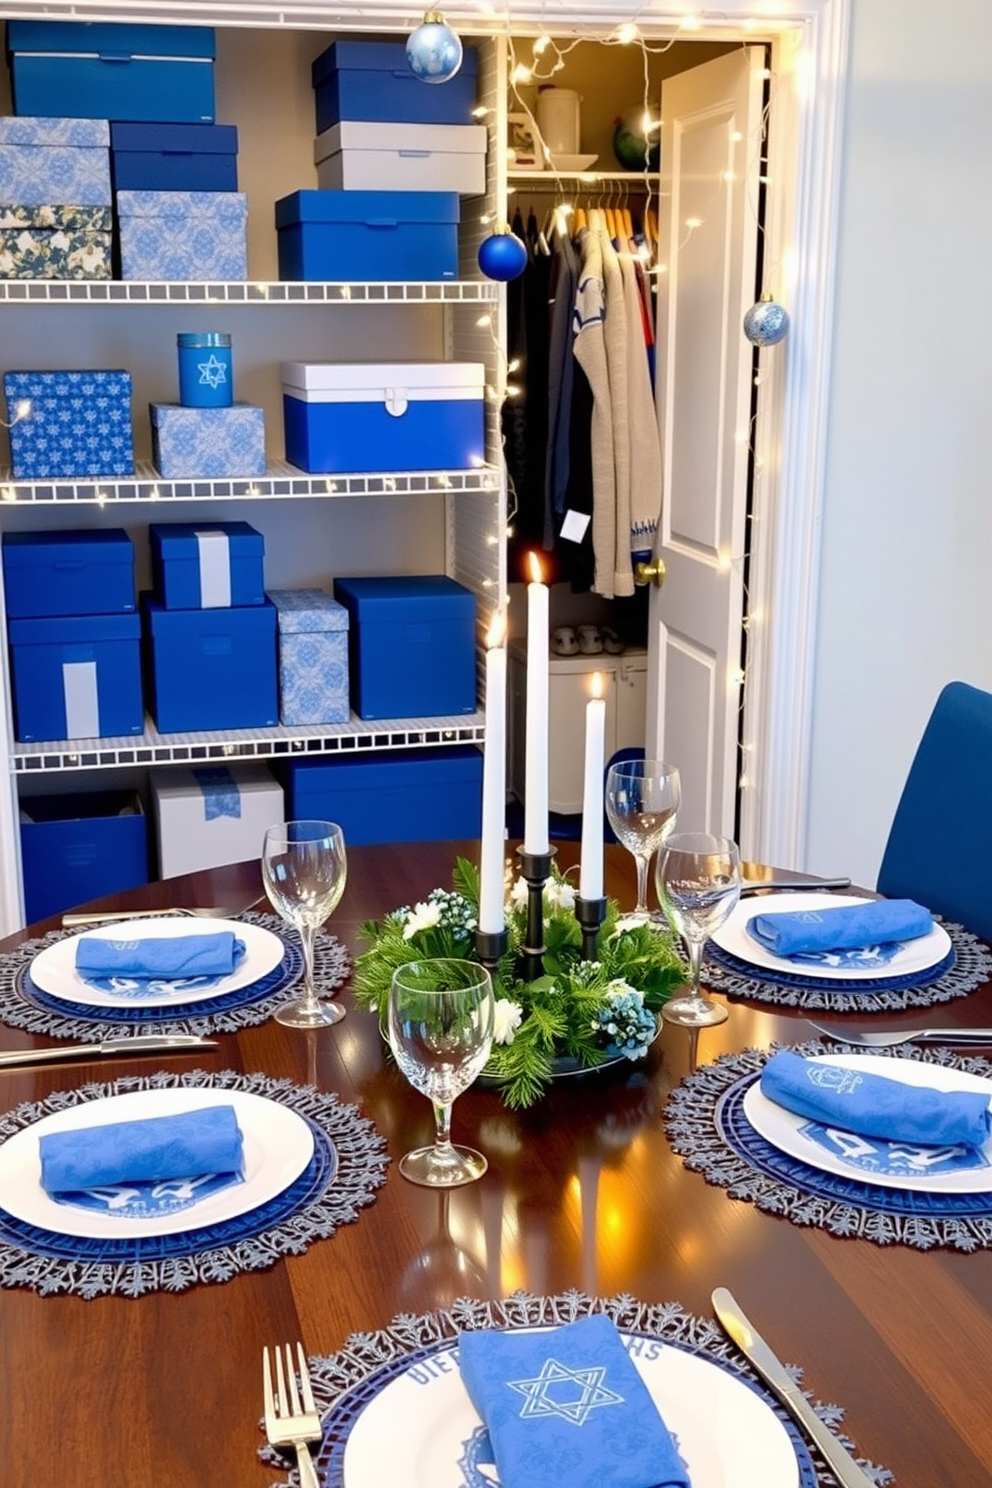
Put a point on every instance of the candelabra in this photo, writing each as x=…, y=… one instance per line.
x=590, y=914
x=490, y=947
x=536, y=870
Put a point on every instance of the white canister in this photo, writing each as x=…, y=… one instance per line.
x=559, y=120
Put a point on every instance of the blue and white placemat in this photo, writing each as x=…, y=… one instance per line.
x=345, y=1382
x=348, y=1165
x=24, y=1005
x=706, y=1126
x=968, y=966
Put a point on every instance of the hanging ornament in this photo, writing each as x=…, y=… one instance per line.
x=767, y=322
x=503, y=256
x=635, y=141
x=434, y=51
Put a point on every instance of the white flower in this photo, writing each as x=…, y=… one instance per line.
x=507, y=1019
x=559, y=894
x=627, y=922
x=519, y=892
x=421, y=917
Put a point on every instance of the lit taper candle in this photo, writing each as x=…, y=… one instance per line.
x=591, y=866
x=491, y=918
x=536, y=766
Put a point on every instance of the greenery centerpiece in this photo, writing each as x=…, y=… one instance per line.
x=578, y=1015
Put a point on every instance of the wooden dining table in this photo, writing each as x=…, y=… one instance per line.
x=583, y=1192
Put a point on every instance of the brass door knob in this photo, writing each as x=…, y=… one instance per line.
x=650, y=573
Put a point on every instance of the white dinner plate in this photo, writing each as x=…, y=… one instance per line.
x=917, y=955
x=53, y=970
x=870, y=1160
x=421, y=1430
x=278, y=1145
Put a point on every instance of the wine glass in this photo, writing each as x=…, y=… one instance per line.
x=642, y=798
x=698, y=878
x=441, y=1033
x=304, y=869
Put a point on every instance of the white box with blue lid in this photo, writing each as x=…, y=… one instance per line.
x=84, y=571
x=77, y=424
x=207, y=565
x=368, y=235
x=210, y=815
x=207, y=442
x=211, y=668
x=55, y=162
x=355, y=155
x=342, y=417
x=313, y=657
x=184, y=235
x=373, y=80
x=76, y=677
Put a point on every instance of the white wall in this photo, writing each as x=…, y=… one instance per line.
x=906, y=586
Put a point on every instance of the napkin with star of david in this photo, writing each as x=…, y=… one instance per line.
x=874, y=1105
x=175, y=956
x=155, y=1149
x=810, y=933
x=567, y=1405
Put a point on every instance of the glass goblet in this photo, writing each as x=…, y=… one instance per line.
x=642, y=799
x=441, y=1033
x=698, y=878
x=304, y=870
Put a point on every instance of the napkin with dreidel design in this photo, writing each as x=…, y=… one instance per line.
x=567, y=1405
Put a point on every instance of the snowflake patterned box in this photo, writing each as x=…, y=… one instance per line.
x=207, y=441
x=183, y=235
x=61, y=161
x=77, y=424
x=313, y=656
x=55, y=242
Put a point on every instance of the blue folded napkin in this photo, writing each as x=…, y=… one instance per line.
x=174, y=956
x=875, y=1106
x=848, y=927
x=188, y=1145
x=567, y=1405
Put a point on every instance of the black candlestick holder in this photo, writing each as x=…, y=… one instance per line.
x=536, y=870
x=590, y=914
x=490, y=947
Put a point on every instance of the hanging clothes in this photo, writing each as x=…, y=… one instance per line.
x=590, y=353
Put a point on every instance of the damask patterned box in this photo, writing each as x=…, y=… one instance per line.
x=184, y=235
x=55, y=242
x=78, y=424
x=207, y=441
x=313, y=656
x=45, y=161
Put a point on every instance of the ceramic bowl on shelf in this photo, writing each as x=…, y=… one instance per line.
x=570, y=164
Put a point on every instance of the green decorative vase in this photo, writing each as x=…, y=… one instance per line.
x=634, y=148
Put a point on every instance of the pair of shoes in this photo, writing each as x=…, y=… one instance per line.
x=564, y=641
x=612, y=644
x=590, y=640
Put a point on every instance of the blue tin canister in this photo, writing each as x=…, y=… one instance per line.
x=206, y=378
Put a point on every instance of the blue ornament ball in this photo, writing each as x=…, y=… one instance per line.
x=434, y=51
x=503, y=256
x=766, y=323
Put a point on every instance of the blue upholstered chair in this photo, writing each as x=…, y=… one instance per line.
x=939, y=850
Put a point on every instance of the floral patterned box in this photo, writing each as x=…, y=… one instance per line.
x=77, y=424
x=65, y=161
x=55, y=242
x=184, y=235
x=313, y=656
x=207, y=442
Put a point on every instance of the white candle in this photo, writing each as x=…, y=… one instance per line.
x=491, y=919
x=591, y=866
x=536, y=763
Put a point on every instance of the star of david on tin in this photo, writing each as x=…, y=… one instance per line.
x=212, y=372
x=545, y=1397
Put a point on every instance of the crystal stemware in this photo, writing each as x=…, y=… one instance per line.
x=304, y=869
x=642, y=799
x=441, y=1032
x=698, y=878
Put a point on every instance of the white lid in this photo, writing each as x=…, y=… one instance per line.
x=366, y=382
x=400, y=139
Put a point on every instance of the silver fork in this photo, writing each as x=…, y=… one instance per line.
x=958, y=1036
x=290, y=1421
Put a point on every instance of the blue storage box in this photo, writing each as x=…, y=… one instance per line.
x=211, y=669
x=186, y=235
x=78, y=424
x=60, y=162
x=368, y=235
x=76, y=677
x=111, y=70
x=207, y=441
x=342, y=417
x=414, y=795
x=56, y=242
x=313, y=656
x=69, y=572
x=373, y=80
x=411, y=645
x=174, y=157
x=80, y=847
x=207, y=565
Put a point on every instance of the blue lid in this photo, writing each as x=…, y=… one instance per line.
x=374, y=769
x=111, y=545
x=203, y=338
x=373, y=56
x=183, y=139
x=373, y=208
x=111, y=38
x=57, y=630
x=420, y=596
x=178, y=539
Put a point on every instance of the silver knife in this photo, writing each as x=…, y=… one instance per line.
x=760, y=1357
x=150, y=1043
x=754, y=886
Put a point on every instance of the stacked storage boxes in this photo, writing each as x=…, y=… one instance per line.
x=206, y=434
x=313, y=656
x=55, y=198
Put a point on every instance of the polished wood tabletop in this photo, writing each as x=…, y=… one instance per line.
x=583, y=1191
